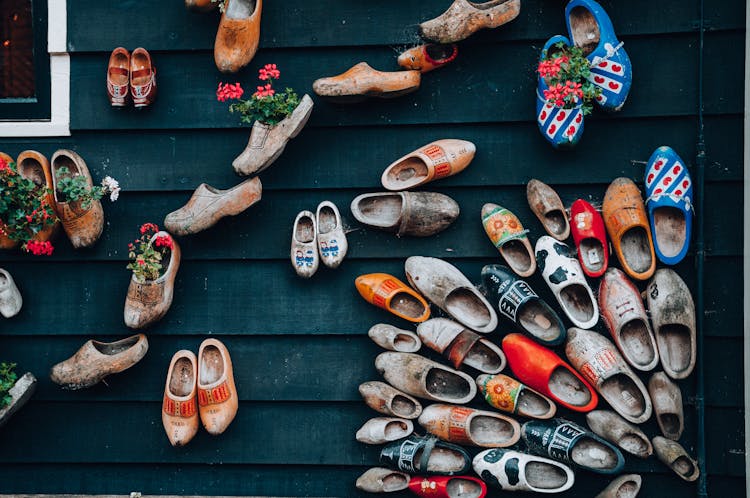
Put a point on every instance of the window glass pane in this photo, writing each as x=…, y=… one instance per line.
x=16, y=49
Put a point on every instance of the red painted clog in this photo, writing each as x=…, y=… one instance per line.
x=448, y=487
x=590, y=237
x=543, y=370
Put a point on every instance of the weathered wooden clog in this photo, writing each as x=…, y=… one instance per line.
x=10, y=297
x=96, y=360
x=461, y=346
x=304, y=252
x=217, y=394
x=238, y=34
x=423, y=378
x=617, y=430
x=394, y=339
x=445, y=285
x=427, y=57
x=20, y=393
x=362, y=81
x=570, y=443
x=674, y=456
x=507, y=394
x=464, y=18
x=625, y=316
x=468, y=426
x=388, y=400
x=332, y=243
x=436, y=160
x=33, y=166
x=382, y=480
x=602, y=365
x=208, y=205
x=673, y=317
x=387, y=292
x=512, y=470
x=626, y=486
x=590, y=237
x=542, y=369
x=425, y=455
x=547, y=206
x=448, y=487
x=565, y=278
x=381, y=430
x=419, y=214
x=510, y=237
x=667, y=399
x=179, y=413
x=627, y=224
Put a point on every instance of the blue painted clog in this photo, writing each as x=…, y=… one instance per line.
x=561, y=127
x=591, y=30
x=669, y=202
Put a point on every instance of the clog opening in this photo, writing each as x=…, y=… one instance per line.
x=468, y=308
x=439, y=52
x=555, y=222
x=140, y=74
x=113, y=348
x=628, y=489
x=182, y=378
x=31, y=169
x=540, y=321
x=442, y=460
x=326, y=220
x=405, y=343
x=211, y=365
x=636, y=249
x=394, y=482
x=683, y=466
x=406, y=174
x=396, y=429
x=670, y=424
x=543, y=475
x=592, y=254
x=239, y=9
x=447, y=385
x=594, y=454
x=670, y=232
x=382, y=211
x=485, y=357
x=635, y=444
x=402, y=406
x=463, y=488
x=304, y=232
x=120, y=61
x=491, y=4
x=518, y=255
x=623, y=394
x=577, y=303
x=567, y=387
x=637, y=343
x=585, y=29
x=491, y=431
x=675, y=347
x=408, y=305
x=531, y=404
x=3, y=280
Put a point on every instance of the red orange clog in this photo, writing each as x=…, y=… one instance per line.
x=448, y=487
x=387, y=292
x=590, y=237
x=543, y=370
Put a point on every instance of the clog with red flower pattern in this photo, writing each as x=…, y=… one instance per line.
x=590, y=237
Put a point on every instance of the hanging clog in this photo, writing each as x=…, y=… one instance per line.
x=590, y=238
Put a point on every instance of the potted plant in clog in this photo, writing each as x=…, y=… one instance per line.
x=564, y=93
x=277, y=117
x=14, y=392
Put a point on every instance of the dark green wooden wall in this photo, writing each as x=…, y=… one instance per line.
x=300, y=348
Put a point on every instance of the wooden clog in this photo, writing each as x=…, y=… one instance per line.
x=625, y=316
x=463, y=18
x=461, y=346
x=388, y=400
x=543, y=370
x=10, y=298
x=425, y=455
x=362, y=81
x=380, y=430
x=217, y=394
x=428, y=57
x=436, y=160
x=510, y=237
x=674, y=456
x=590, y=237
x=5, y=241
x=332, y=243
x=304, y=252
x=673, y=317
x=547, y=206
x=419, y=214
x=667, y=399
x=626, y=486
x=468, y=426
x=179, y=413
x=201, y=5
x=423, y=378
x=443, y=284
x=448, y=487
x=382, y=480
x=33, y=166
x=617, y=430
x=627, y=224
x=394, y=339
x=238, y=34
x=387, y=292
x=507, y=394
x=142, y=78
x=118, y=77
x=512, y=470
x=601, y=364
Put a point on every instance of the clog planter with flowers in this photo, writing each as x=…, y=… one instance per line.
x=277, y=117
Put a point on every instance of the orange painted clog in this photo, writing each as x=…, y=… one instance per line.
x=179, y=413
x=627, y=224
x=35, y=167
x=217, y=394
x=425, y=58
x=387, y=292
x=5, y=241
x=238, y=35
x=439, y=159
x=362, y=81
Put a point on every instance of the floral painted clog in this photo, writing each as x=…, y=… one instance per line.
x=669, y=198
x=507, y=394
x=510, y=237
x=591, y=30
x=590, y=237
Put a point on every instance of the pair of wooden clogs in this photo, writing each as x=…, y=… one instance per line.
x=318, y=237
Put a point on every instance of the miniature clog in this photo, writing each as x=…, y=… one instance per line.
x=382, y=480
x=667, y=399
x=461, y=346
x=179, y=413
x=548, y=207
x=468, y=426
x=428, y=57
x=464, y=18
x=601, y=364
x=512, y=470
x=418, y=376
x=674, y=456
x=518, y=302
x=542, y=369
x=445, y=285
x=626, y=486
x=619, y=431
x=33, y=166
x=564, y=276
x=387, y=292
x=332, y=243
x=388, y=400
x=436, y=160
x=118, y=77
x=590, y=238
x=415, y=455
x=238, y=34
x=591, y=30
x=217, y=394
x=381, y=430
x=394, y=339
x=507, y=394
x=448, y=487
x=10, y=298
x=142, y=78
x=304, y=252
x=510, y=237
x=669, y=202
x=625, y=316
x=560, y=126
x=419, y=214
x=627, y=224
x=362, y=81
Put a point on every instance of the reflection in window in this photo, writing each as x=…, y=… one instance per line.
x=16, y=49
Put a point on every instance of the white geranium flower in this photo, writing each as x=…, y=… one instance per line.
x=112, y=186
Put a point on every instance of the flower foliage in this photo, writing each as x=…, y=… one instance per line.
x=147, y=252
x=266, y=104
x=7, y=379
x=24, y=208
x=566, y=72
x=75, y=188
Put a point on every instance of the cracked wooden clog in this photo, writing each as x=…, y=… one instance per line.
x=463, y=18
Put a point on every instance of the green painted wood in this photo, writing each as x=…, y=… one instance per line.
x=267, y=298
x=96, y=26
x=504, y=92
x=507, y=152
